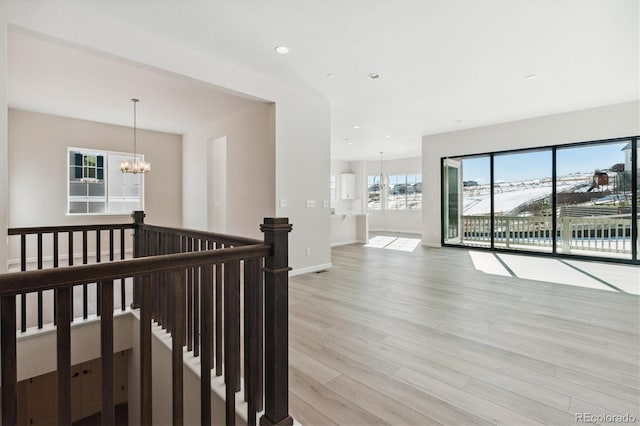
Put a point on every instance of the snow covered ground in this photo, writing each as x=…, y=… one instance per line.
x=509, y=195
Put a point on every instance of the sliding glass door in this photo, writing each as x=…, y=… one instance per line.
x=578, y=199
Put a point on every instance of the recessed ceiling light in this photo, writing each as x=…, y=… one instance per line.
x=531, y=76
x=281, y=49
x=356, y=127
x=350, y=143
x=373, y=75
x=388, y=137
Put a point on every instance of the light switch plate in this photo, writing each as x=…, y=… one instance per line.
x=311, y=203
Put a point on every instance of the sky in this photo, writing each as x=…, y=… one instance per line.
x=537, y=164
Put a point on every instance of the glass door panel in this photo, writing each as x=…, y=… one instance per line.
x=593, y=196
x=522, y=192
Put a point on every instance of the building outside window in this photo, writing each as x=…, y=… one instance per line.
x=404, y=192
x=97, y=186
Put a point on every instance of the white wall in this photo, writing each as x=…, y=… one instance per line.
x=605, y=122
x=38, y=161
x=250, y=171
x=34, y=349
x=302, y=119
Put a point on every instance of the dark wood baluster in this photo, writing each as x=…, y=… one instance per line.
x=169, y=285
x=63, y=338
x=231, y=338
x=8, y=360
x=207, y=331
x=178, y=288
x=145, y=353
x=56, y=255
x=39, y=260
x=85, y=260
x=253, y=338
x=123, y=294
x=23, y=297
x=98, y=246
x=212, y=355
x=70, y=261
x=196, y=304
x=106, y=351
x=219, y=296
x=190, y=336
x=276, y=313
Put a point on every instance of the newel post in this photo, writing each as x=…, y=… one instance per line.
x=276, y=326
x=138, y=221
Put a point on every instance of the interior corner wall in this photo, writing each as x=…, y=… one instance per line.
x=606, y=122
x=250, y=168
x=38, y=169
x=4, y=151
x=250, y=165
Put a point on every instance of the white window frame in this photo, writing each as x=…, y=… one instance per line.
x=106, y=155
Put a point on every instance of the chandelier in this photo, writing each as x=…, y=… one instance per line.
x=383, y=178
x=135, y=166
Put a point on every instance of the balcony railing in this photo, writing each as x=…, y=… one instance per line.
x=188, y=282
x=610, y=234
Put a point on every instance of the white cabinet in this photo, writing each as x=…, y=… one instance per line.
x=347, y=186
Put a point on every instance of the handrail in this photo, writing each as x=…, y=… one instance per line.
x=193, y=233
x=47, y=279
x=68, y=228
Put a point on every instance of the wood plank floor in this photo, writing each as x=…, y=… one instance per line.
x=422, y=337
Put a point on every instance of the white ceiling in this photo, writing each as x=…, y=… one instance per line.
x=444, y=64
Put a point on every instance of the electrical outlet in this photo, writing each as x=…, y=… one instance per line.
x=325, y=203
x=311, y=203
x=283, y=204
x=308, y=251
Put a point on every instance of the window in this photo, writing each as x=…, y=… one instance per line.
x=401, y=192
x=97, y=186
x=333, y=188
x=405, y=192
x=373, y=184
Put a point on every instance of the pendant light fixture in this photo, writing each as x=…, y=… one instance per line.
x=383, y=179
x=135, y=166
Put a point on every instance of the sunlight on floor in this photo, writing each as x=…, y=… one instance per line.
x=598, y=275
x=394, y=243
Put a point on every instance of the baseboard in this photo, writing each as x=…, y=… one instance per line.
x=314, y=268
x=399, y=231
x=344, y=243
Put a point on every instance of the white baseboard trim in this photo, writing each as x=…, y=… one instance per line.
x=344, y=243
x=314, y=268
x=400, y=231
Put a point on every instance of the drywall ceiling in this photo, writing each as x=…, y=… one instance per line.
x=55, y=78
x=444, y=64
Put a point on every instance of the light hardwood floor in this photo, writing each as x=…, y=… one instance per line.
x=417, y=338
